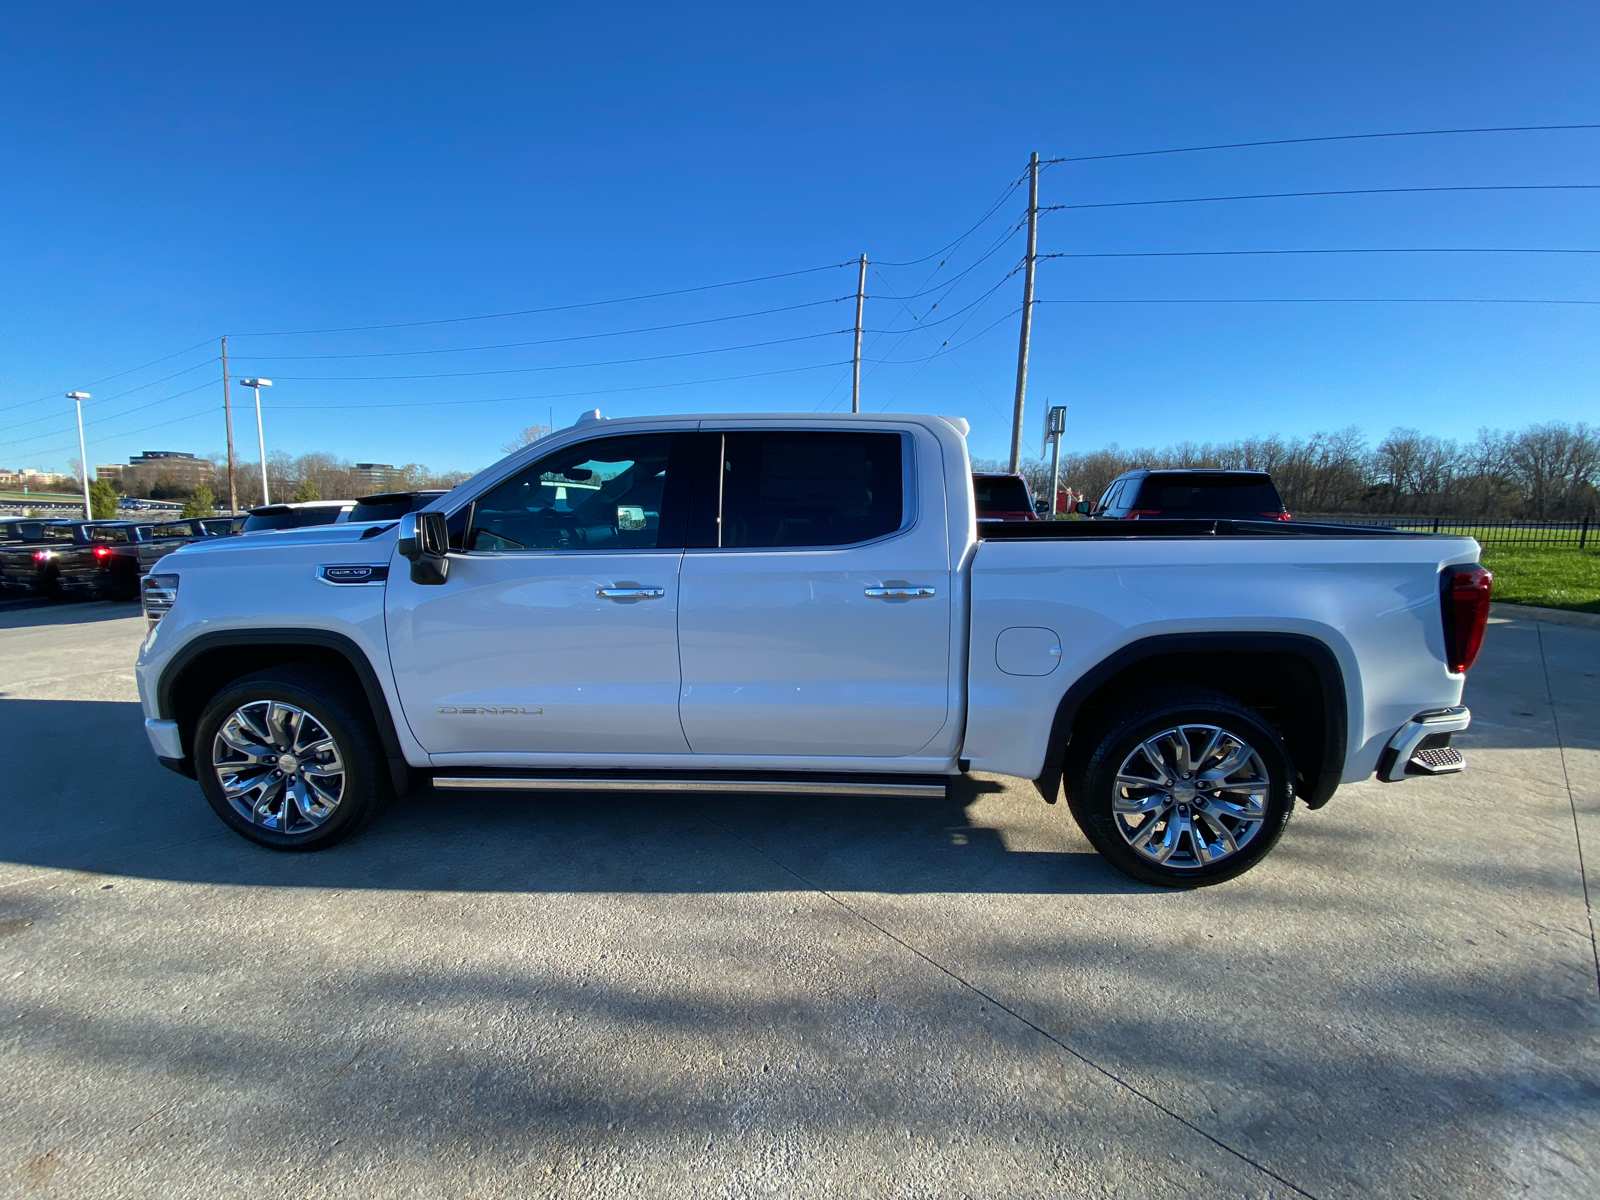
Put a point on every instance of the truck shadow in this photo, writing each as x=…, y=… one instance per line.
x=86, y=795
x=19, y=611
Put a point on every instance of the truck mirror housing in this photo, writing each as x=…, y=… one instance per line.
x=1083, y=508
x=425, y=541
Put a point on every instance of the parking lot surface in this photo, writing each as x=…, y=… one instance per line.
x=619, y=996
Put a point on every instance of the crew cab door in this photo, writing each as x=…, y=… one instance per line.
x=815, y=597
x=556, y=629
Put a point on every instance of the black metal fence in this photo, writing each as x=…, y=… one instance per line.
x=1576, y=535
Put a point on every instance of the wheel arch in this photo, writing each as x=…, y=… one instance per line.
x=1293, y=680
x=211, y=661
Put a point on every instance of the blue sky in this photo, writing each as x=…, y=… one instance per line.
x=169, y=174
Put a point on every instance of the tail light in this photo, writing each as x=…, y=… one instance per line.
x=41, y=556
x=1464, y=597
x=1277, y=516
x=102, y=552
x=1135, y=513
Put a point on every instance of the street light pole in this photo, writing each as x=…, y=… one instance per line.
x=261, y=437
x=77, y=399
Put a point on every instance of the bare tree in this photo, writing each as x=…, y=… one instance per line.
x=527, y=437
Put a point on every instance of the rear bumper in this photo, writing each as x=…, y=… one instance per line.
x=1422, y=745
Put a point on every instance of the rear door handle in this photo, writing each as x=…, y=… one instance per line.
x=631, y=593
x=893, y=593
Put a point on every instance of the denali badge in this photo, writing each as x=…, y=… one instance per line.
x=492, y=712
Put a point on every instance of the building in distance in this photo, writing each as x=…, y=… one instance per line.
x=34, y=481
x=172, y=472
x=374, y=477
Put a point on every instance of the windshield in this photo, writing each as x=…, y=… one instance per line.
x=1001, y=493
x=294, y=518
x=391, y=507
x=1209, y=493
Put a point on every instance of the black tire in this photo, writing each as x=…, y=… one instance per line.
x=364, y=788
x=1197, y=825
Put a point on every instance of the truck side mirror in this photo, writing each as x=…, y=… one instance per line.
x=425, y=541
x=1083, y=508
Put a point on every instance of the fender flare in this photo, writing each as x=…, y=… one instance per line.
x=1330, y=677
x=322, y=639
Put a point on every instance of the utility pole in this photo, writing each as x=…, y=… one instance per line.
x=1027, y=312
x=861, y=300
x=227, y=409
x=77, y=399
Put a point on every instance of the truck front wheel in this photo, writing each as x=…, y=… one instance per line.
x=288, y=757
x=1182, y=787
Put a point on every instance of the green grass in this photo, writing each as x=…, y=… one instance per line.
x=1546, y=576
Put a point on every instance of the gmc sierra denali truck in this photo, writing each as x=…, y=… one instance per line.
x=804, y=604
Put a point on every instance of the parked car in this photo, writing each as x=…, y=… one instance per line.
x=390, y=506
x=1004, y=498
x=108, y=558
x=29, y=529
x=295, y=516
x=1190, y=495
x=807, y=604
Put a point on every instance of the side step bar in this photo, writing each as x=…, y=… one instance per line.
x=920, y=787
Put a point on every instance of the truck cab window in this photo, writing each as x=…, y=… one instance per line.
x=810, y=489
x=601, y=495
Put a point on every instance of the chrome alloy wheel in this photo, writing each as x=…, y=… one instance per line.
x=1191, y=796
x=278, y=767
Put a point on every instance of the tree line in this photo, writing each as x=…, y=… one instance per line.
x=1542, y=472
x=316, y=476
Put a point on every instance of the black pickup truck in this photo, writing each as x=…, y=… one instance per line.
x=103, y=557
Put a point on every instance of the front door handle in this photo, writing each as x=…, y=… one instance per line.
x=631, y=593
x=896, y=593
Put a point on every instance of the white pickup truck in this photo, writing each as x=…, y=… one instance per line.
x=804, y=604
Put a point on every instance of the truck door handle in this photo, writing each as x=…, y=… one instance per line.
x=631, y=593
x=895, y=593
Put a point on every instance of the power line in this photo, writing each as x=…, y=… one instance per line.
x=129, y=433
x=118, y=395
x=614, y=362
x=950, y=316
x=945, y=348
x=527, y=312
x=1327, y=300
x=1493, y=187
x=33, y=437
x=108, y=378
x=1355, y=250
x=1338, y=137
x=993, y=208
x=558, y=395
x=580, y=337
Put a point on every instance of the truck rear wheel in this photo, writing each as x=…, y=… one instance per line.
x=288, y=757
x=1182, y=788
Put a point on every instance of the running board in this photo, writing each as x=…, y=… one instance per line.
x=916, y=788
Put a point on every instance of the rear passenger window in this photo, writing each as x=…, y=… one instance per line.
x=810, y=489
x=116, y=536
x=175, y=530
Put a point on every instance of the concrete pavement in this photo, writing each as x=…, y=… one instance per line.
x=584, y=996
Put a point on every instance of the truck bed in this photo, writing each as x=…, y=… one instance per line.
x=1036, y=531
